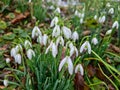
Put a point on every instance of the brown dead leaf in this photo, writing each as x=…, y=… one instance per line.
x=63, y=53
x=87, y=32
x=114, y=48
x=79, y=82
x=20, y=17
x=4, y=47
x=2, y=87
x=91, y=70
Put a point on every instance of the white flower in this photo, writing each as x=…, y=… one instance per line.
x=54, y=21
x=109, y=32
x=50, y=46
x=56, y=31
x=95, y=17
x=66, y=32
x=44, y=39
x=67, y=60
x=60, y=40
x=108, y=5
x=82, y=15
x=19, y=48
x=94, y=41
x=29, y=1
x=5, y=82
x=57, y=10
x=75, y=36
x=13, y=52
x=102, y=19
x=27, y=44
x=77, y=13
x=73, y=50
x=111, y=11
x=54, y=50
x=81, y=20
x=115, y=25
x=30, y=53
x=7, y=60
x=79, y=68
x=85, y=45
x=17, y=58
x=39, y=39
x=36, y=32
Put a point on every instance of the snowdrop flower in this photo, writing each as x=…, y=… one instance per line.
x=36, y=32
x=51, y=43
x=109, y=32
x=81, y=20
x=73, y=50
x=66, y=61
x=115, y=25
x=75, y=36
x=5, y=82
x=13, y=52
x=111, y=11
x=29, y=1
x=60, y=40
x=108, y=5
x=44, y=39
x=7, y=60
x=94, y=41
x=39, y=39
x=82, y=15
x=85, y=45
x=56, y=31
x=57, y=10
x=77, y=14
x=30, y=53
x=54, y=21
x=102, y=19
x=18, y=48
x=54, y=50
x=80, y=69
x=18, y=58
x=66, y=32
x=95, y=17
x=27, y=44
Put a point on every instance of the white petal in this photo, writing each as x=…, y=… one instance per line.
x=63, y=61
x=40, y=39
x=60, y=40
x=54, y=50
x=27, y=44
x=66, y=32
x=76, y=51
x=36, y=32
x=115, y=25
x=56, y=31
x=111, y=11
x=30, y=53
x=88, y=47
x=70, y=65
x=45, y=37
x=72, y=51
x=18, y=58
x=5, y=82
x=7, y=60
x=79, y=68
x=54, y=21
x=57, y=10
x=83, y=47
x=50, y=46
x=94, y=41
x=75, y=36
x=13, y=52
x=109, y=32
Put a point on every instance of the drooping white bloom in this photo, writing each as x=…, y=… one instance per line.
x=7, y=60
x=82, y=15
x=102, y=19
x=29, y=1
x=109, y=32
x=44, y=39
x=54, y=50
x=18, y=58
x=57, y=10
x=54, y=21
x=115, y=25
x=95, y=17
x=80, y=69
x=73, y=50
x=27, y=44
x=13, y=52
x=39, y=39
x=66, y=32
x=56, y=31
x=94, y=41
x=81, y=20
x=30, y=53
x=19, y=48
x=60, y=40
x=36, y=32
x=75, y=36
x=111, y=11
x=50, y=46
x=77, y=14
x=66, y=61
x=5, y=82
x=85, y=46
x=108, y=4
